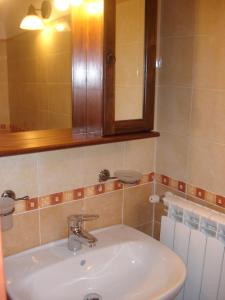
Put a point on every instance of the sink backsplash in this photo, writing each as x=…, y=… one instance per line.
x=65, y=182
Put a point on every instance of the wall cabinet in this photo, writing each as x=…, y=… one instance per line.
x=113, y=79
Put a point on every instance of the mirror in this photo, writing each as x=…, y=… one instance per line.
x=129, y=66
x=130, y=58
x=35, y=69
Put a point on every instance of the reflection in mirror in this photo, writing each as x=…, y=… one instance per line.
x=35, y=70
x=130, y=59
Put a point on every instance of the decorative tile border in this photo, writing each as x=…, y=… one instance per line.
x=115, y=185
x=191, y=190
x=77, y=194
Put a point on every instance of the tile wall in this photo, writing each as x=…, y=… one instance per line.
x=189, y=155
x=191, y=98
x=65, y=182
x=39, y=79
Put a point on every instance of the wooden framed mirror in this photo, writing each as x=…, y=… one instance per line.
x=36, y=68
x=63, y=72
x=129, y=65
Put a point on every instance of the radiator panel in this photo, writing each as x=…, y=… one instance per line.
x=197, y=235
x=181, y=245
x=221, y=294
x=167, y=232
x=195, y=265
x=212, y=269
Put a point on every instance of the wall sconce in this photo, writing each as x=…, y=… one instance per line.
x=34, y=22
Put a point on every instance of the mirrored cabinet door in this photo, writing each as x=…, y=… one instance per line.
x=35, y=66
x=129, y=65
x=130, y=58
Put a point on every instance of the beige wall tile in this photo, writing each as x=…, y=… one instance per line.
x=209, y=18
x=23, y=235
x=140, y=155
x=60, y=170
x=192, y=17
x=177, y=61
x=218, y=169
x=107, y=206
x=157, y=228
x=97, y=158
x=173, y=109
x=201, y=164
x=208, y=56
x=19, y=173
x=207, y=165
x=146, y=228
x=137, y=209
x=53, y=220
x=191, y=146
x=208, y=105
x=172, y=155
x=177, y=17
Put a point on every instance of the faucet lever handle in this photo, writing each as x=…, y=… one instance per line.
x=77, y=220
x=89, y=217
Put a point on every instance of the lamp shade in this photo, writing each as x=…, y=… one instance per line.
x=32, y=22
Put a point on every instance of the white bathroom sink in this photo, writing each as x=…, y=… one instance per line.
x=125, y=265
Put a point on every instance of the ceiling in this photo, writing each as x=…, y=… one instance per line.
x=12, y=12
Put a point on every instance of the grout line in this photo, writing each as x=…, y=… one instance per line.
x=39, y=226
x=181, y=36
x=190, y=87
x=153, y=222
x=181, y=86
x=142, y=224
x=123, y=204
x=123, y=193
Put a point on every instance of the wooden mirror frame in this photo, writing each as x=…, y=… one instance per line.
x=90, y=96
x=110, y=126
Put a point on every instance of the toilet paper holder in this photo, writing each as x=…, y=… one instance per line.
x=11, y=194
x=7, y=208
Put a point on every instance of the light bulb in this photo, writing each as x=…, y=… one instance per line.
x=62, y=5
x=76, y=2
x=60, y=27
x=32, y=22
x=95, y=7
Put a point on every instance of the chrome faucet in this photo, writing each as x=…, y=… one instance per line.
x=76, y=233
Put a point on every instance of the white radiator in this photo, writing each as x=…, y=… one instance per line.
x=197, y=235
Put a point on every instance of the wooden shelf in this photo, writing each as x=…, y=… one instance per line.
x=46, y=140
